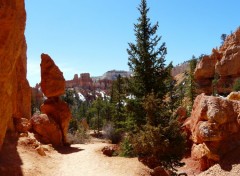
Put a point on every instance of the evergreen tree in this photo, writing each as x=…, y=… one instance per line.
x=160, y=136
x=223, y=38
x=174, y=97
x=147, y=61
x=190, y=83
x=118, y=100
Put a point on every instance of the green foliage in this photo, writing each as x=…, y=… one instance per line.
x=80, y=136
x=151, y=105
x=112, y=133
x=214, y=84
x=118, y=100
x=155, y=97
x=73, y=125
x=164, y=143
x=223, y=38
x=236, y=85
x=68, y=97
x=147, y=61
x=146, y=58
x=126, y=148
x=190, y=82
x=174, y=95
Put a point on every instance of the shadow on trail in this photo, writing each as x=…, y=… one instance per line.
x=68, y=149
x=10, y=161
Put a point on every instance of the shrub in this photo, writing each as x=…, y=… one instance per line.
x=163, y=145
x=80, y=136
x=73, y=125
x=111, y=133
x=126, y=148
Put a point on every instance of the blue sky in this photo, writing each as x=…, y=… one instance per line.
x=93, y=35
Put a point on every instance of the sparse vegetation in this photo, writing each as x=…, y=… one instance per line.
x=236, y=86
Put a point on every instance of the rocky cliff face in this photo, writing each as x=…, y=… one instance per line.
x=223, y=65
x=214, y=126
x=15, y=95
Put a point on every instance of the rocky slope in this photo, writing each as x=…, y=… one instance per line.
x=223, y=65
x=14, y=89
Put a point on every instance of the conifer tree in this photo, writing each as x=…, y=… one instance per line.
x=146, y=58
x=147, y=61
x=118, y=99
x=191, y=85
x=159, y=136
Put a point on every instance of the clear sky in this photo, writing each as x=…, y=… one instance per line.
x=93, y=35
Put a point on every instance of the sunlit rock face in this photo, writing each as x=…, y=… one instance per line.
x=15, y=94
x=52, y=80
x=223, y=65
x=215, y=126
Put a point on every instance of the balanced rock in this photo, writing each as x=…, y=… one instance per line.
x=14, y=89
x=52, y=80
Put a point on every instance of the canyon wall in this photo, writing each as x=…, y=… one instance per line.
x=15, y=94
x=221, y=67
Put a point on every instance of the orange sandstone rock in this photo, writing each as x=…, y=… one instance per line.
x=15, y=95
x=214, y=127
x=46, y=129
x=223, y=63
x=59, y=111
x=52, y=80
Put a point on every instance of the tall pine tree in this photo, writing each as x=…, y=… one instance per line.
x=147, y=61
x=160, y=136
x=146, y=58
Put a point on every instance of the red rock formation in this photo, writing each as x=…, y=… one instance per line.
x=15, y=95
x=59, y=111
x=214, y=127
x=224, y=62
x=52, y=80
x=47, y=129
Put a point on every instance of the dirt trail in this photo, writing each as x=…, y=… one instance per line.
x=90, y=161
x=77, y=160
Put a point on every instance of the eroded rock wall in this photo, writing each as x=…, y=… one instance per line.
x=15, y=95
x=223, y=65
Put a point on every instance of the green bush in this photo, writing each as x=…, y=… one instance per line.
x=73, y=125
x=126, y=148
x=164, y=145
x=77, y=134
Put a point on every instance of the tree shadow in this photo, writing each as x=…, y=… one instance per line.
x=10, y=161
x=67, y=149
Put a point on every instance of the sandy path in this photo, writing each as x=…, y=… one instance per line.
x=77, y=160
x=90, y=162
